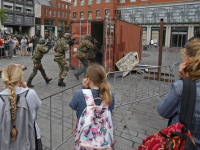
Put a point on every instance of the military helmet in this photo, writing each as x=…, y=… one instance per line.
x=67, y=35
x=88, y=36
x=41, y=41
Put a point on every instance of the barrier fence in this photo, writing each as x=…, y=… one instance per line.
x=136, y=86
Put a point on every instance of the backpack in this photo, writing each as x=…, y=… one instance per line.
x=176, y=136
x=59, y=47
x=25, y=126
x=95, y=128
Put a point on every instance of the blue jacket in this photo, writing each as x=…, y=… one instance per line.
x=10, y=42
x=170, y=106
x=78, y=101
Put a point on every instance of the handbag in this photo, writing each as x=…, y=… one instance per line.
x=30, y=45
x=176, y=136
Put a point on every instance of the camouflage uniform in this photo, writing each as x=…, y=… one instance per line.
x=95, y=50
x=39, y=53
x=60, y=49
x=82, y=54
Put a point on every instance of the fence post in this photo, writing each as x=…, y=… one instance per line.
x=62, y=118
x=50, y=126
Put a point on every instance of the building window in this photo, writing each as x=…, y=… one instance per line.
x=69, y=15
x=58, y=13
x=69, y=7
x=62, y=6
x=82, y=2
x=58, y=5
x=19, y=8
x=107, y=13
x=82, y=15
x=98, y=14
x=54, y=13
x=8, y=6
x=107, y=1
x=38, y=21
x=89, y=2
x=45, y=12
x=89, y=14
x=29, y=10
x=48, y=21
x=119, y=14
x=122, y=1
x=75, y=2
x=98, y=1
x=66, y=6
x=49, y=12
x=65, y=14
x=74, y=15
x=132, y=0
x=21, y=0
x=29, y=1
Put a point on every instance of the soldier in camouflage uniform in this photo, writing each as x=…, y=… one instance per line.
x=82, y=53
x=38, y=54
x=60, y=48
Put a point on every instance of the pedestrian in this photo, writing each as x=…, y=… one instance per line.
x=6, y=47
x=30, y=46
x=39, y=53
x=23, y=46
x=171, y=103
x=94, y=83
x=35, y=41
x=18, y=124
x=10, y=46
x=15, y=47
x=60, y=48
x=82, y=53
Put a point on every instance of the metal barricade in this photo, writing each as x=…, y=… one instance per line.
x=60, y=116
x=139, y=85
x=174, y=69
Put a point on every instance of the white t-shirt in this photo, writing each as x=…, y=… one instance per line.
x=33, y=101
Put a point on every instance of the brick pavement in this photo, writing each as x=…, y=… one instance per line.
x=132, y=122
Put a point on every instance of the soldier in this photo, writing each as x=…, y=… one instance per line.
x=60, y=48
x=38, y=54
x=82, y=53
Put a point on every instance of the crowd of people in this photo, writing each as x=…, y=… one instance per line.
x=93, y=103
x=11, y=46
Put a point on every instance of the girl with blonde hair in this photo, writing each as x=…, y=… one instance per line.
x=171, y=103
x=95, y=80
x=12, y=77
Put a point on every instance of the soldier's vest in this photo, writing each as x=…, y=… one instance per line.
x=59, y=47
x=38, y=54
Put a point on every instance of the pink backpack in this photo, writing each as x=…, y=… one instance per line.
x=95, y=128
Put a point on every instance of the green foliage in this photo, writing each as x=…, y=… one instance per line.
x=3, y=16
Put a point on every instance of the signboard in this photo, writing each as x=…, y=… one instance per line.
x=19, y=19
x=10, y=18
x=128, y=62
x=29, y=20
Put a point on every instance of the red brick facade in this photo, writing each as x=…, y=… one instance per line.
x=112, y=5
x=56, y=8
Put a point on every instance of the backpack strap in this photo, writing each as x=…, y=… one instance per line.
x=24, y=93
x=2, y=98
x=188, y=102
x=88, y=97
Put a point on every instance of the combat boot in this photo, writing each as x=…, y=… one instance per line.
x=61, y=83
x=48, y=80
x=77, y=76
x=29, y=84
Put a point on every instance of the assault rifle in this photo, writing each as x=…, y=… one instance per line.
x=71, y=42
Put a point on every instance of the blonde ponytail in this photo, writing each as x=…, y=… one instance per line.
x=97, y=75
x=104, y=93
x=11, y=75
x=193, y=66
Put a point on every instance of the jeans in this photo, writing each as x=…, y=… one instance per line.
x=85, y=65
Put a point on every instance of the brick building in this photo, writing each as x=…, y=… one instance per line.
x=181, y=17
x=54, y=20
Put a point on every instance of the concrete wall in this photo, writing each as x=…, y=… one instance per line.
x=37, y=11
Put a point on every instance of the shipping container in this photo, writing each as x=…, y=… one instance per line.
x=115, y=38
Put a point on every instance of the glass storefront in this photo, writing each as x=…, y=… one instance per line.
x=37, y=26
x=49, y=31
x=179, y=36
x=189, y=13
x=155, y=34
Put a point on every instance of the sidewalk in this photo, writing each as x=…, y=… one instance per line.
x=132, y=123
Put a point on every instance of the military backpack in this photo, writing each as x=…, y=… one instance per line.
x=59, y=47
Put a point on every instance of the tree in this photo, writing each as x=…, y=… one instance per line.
x=3, y=16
